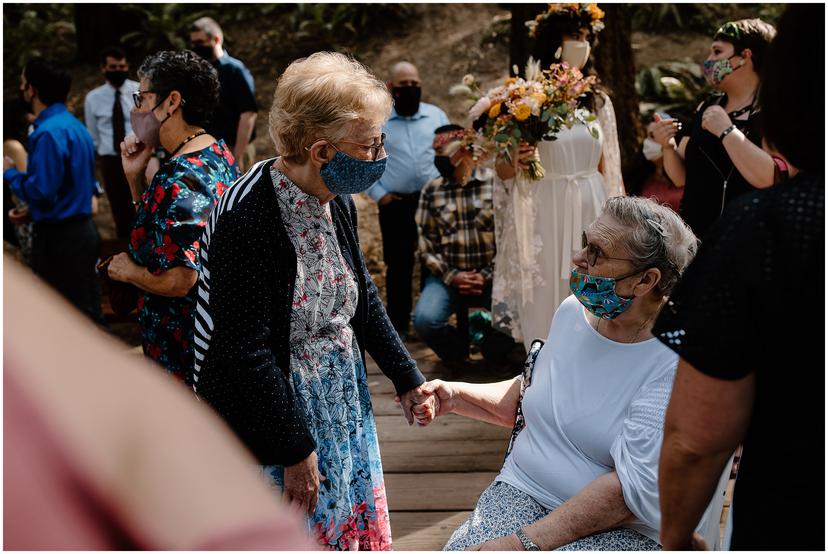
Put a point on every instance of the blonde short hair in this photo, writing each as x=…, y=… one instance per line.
x=322, y=96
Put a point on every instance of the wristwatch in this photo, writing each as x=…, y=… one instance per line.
x=527, y=543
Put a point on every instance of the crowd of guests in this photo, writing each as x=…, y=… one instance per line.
x=658, y=341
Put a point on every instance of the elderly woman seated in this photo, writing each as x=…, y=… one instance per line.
x=582, y=466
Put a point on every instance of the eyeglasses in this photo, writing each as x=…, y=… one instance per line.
x=137, y=97
x=594, y=252
x=375, y=148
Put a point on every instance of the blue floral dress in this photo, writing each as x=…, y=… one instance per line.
x=168, y=225
x=330, y=382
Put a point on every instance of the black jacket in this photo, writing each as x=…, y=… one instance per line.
x=245, y=302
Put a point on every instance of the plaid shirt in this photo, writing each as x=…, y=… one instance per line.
x=456, y=228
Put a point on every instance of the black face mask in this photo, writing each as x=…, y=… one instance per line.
x=445, y=167
x=116, y=78
x=205, y=52
x=406, y=100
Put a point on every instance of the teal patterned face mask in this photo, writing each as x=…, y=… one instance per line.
x=597, y=294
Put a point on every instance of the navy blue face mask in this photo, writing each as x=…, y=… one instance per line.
x=347, y=175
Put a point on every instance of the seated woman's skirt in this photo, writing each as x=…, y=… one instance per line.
x=502, y=509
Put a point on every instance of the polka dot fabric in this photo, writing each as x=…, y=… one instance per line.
x=244, y=313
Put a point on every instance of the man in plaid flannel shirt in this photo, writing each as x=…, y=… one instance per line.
x=455, y=221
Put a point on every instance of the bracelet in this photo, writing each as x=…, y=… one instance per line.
x=528, y=544
x=727, y=132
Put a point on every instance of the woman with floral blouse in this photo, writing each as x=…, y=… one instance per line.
x=178, y=93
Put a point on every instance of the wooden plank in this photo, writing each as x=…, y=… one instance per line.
x=445, y=428
x=428, y=364
x=445, y=456
x=424, y=530
x=435, y=492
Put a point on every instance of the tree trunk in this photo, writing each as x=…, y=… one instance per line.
x=98, y=26
x=613, y=60
x=519, y=41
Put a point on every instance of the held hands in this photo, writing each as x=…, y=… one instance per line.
x=432, y=399
x=715, y=120
x=663, y=131
x=302, y=484
x=469, y=282
x=135, y=156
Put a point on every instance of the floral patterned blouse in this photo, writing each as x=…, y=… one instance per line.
x=168, y=225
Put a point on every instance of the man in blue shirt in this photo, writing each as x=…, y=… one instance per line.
x=58, y=186
x=235, y=118
x=408, y=141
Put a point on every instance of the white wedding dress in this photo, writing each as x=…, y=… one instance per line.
x=538, y=224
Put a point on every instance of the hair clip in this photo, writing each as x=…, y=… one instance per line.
x=657, y=226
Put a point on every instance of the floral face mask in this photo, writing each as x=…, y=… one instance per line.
x=716, y=70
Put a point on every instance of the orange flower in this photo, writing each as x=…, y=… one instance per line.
x=494, y=111
x=522, y=112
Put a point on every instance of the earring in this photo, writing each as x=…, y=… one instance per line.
x=558, y=53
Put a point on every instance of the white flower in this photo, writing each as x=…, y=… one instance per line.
x=468, y=79
x=460, y=90
x=533, y=70
x=480, y=107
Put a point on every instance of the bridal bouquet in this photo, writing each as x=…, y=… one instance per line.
x=530, y=110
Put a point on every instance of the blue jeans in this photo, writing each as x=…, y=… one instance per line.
x=436, y=304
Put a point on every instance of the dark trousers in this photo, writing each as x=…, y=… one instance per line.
x=64, y=254
x=399, y=243
x=118, y=193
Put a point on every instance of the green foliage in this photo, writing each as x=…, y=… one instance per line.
x=32, y=30
x=665, y=17
x=160, y=26
x=339, y=25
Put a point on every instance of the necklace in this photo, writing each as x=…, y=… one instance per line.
x=186, y=140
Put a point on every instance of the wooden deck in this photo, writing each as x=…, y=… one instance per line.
x=434, y=475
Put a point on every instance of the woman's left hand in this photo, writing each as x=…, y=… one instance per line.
x=121, y=267
x=511, y=543
x=715, y=120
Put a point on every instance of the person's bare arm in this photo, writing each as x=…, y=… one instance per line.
x=596, y=508
x=174, y=282
x=494, y=403
x=247, y=122
x=706, y=420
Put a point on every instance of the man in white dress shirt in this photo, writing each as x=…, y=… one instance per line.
x=106, y=111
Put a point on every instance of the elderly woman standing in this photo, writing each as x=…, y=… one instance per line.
x=177, y=95
x=583, y=460
x=287, y=307
x=721, y=156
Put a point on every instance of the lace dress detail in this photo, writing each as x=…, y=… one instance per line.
x=539, y=224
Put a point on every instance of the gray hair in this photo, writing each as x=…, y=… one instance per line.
x=657, y=237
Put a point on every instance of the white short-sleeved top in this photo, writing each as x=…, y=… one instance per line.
x=594, y=405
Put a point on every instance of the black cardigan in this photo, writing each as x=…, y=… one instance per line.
x=246, y=293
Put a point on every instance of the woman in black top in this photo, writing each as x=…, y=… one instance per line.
x=748, y=322
x=720, y=157
x=287, y=308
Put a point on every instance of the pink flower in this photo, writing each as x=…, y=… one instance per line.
x=480, y=107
